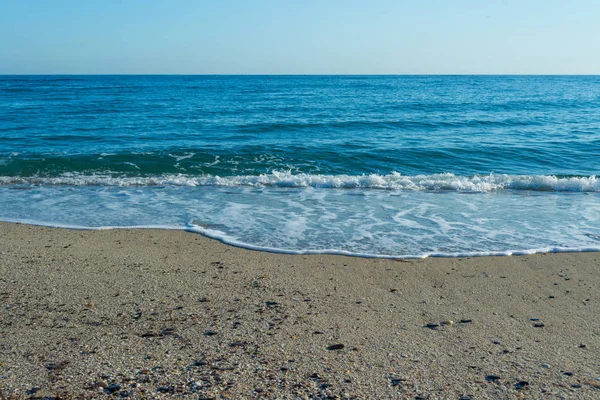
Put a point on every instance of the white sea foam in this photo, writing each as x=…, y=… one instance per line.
x=393, y=181
x=371, y=223
x=231, y=240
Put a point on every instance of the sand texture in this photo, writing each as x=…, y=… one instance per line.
x=170, y=314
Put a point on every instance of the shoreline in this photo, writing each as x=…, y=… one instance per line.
x=342, y=253
x=150, y=313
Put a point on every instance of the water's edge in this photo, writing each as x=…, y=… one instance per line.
x=223, y=238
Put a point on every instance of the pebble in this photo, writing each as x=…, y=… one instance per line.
x=431, y=325
x=521, y=385
x=492, y=378
x=33, y=390
x=465, y=321
x=338, y=346
x=569, y=373
x=538, y=325
x=112, y=388
x=546, y=365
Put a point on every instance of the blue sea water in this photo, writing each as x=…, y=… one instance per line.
x=390, y=166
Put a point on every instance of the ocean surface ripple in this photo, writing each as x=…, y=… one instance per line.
x=382, y=166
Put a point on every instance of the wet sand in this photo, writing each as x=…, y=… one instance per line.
x=171, y=314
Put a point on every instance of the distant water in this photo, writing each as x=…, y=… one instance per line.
x=392, y=166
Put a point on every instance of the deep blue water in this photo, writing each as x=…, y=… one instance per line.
x=372, y=165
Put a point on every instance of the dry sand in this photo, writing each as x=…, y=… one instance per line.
x=167, y=314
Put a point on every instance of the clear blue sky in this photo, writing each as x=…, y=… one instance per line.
x=300, y=36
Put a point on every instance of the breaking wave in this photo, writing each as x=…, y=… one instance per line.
x=393, y=181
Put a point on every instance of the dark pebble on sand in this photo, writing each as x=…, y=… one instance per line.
x=465, y=321
x=521, y=385
x=465, y=398
x=318, y=333
x=569, y=373
x=492, y=378
x=534, y=319
x=431, y=325
x=210, y=333
x=112, y=388
x=336, y=347
x=576, y=386
x=538, y=325
x=582, y=346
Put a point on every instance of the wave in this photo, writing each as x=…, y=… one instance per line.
x=286, y=179
x=233, y=241
x=227, y=239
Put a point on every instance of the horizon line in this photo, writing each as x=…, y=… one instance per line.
x=298, y=74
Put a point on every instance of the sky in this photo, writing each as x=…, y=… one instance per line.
x=299, y=37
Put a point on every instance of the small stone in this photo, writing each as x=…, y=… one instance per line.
x=521, y=385
x=210, y=333
x=431, y=325
x=393, y=290
x=492, y=378
x=448, y=322
x=534, y=319
x=112, y=388
x=465, y=398
x=582, y=346
x=546, y=365
x=338, y=346
x=465, y=321
x=569, y=373
x=538, y=325
x=576, y=386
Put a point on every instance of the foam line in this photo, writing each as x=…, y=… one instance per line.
x=393, y=181
x=224, y=238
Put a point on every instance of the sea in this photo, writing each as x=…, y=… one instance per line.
x=372, y=166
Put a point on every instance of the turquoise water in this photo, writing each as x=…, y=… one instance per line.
x=365, y=165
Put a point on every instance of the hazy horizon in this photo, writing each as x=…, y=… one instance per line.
x=265, y=37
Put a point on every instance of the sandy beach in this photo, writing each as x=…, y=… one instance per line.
x=171, y=314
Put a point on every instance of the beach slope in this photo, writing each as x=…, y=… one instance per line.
x=156, y=314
